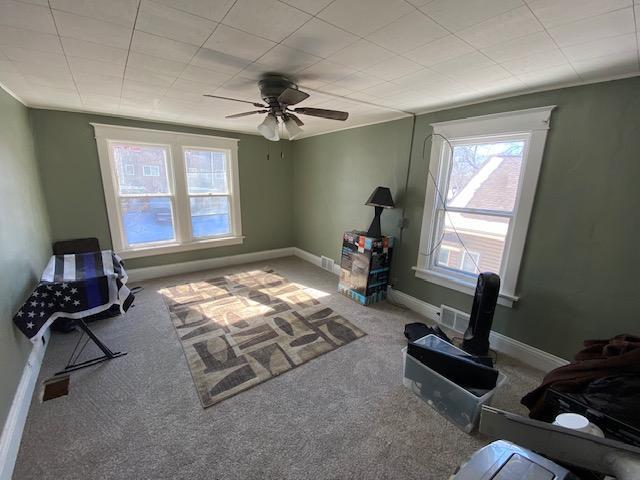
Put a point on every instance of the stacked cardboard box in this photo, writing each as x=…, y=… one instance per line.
x=364, y=268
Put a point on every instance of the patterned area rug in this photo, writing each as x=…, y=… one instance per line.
x=239, y=330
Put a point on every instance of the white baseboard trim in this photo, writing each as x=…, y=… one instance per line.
x=14, y=425
x=146, y=273
x=530, y=355
x=315, y=259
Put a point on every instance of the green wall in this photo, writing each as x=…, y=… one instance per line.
x=69, y=164
x=25, y=244
x=578, y=277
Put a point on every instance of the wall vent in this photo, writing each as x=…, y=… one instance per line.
x=456, y=320
x=327, y=263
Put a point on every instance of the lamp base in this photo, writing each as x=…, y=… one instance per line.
x=374, y=228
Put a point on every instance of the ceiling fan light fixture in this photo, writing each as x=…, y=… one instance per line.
x=293, y=129
x=269, y=128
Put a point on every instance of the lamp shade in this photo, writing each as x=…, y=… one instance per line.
x=292, y=129
x=381, y=197
x=269, y=128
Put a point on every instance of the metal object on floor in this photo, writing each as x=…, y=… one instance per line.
x=75, y=355
x=602, y=455
x=503, y=460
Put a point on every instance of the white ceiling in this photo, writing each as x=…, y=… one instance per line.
x=155, y=58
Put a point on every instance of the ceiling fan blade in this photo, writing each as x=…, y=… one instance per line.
x=255, y=104
x=293, y=117
x=321, y=112
x=292, y=96
x=244, y=114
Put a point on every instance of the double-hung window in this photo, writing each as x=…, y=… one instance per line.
x=168, y=191
x=482, y=178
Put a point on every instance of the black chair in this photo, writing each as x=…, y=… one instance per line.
x=77, y=245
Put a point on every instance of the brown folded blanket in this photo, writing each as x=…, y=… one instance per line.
x=619, y=355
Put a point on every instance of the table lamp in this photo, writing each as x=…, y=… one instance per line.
x=380, y=199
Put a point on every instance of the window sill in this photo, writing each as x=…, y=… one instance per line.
x=176, y=247
x=504, y=298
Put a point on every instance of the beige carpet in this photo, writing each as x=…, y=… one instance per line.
x=240, y=330
x=343, y=415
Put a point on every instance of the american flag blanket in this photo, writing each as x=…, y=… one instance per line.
x=74, y=286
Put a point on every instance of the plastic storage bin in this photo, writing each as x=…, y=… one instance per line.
x=458, y=405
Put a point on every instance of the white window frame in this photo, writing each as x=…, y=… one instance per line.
x=532, y=124
x=129, y=169
x=175, y=141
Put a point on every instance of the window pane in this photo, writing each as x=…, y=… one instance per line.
x=483, y=236
x=141, y=169
x=210, y=216
x=147, y=220
x=206, y=171
x=485, y=175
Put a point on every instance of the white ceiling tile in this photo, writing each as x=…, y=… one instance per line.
x=162, y=47
x=538, y=42
x=79, y=64
x=211, y=9
x=48, y=81
x=174, y=24
x=133, y=89
x=535, y=61
x=31, y=40
x=60, y=70
x=218, y=61
x=618, y=64
x=95, y=51
x=477, y=78
x=319, y=38
x=553, y=12
x=464, y=63
x=322, y=73
x=92, y=83
x=285, y=60
x=363, y=17
x=550, y=77
x=155, y=64
x=92, y=30
x=6, y=66
x=502, y=86
x=602, y=47
x=43, y=59
x=408, y=32
x=237, y=43
x=458, y=14
x=192, y=95
x=204, y=75
x=184, y=85
x=423, y=78
x=354, y=82
x=607, y=25
x=309, y=6
x=440, y=50
x=122, y=12
x=94, y=100
x=394, y=67
x=27, y=16
x=149, y=77
x=361, y=55
x=267, y=18
x=507, y=26
x=236, y=88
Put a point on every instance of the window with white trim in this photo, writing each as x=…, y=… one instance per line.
x=483, y=173
x=168, y=191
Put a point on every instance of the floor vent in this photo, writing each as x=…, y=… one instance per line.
x=327, y=263
x=454, y=319
x=55, y=387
